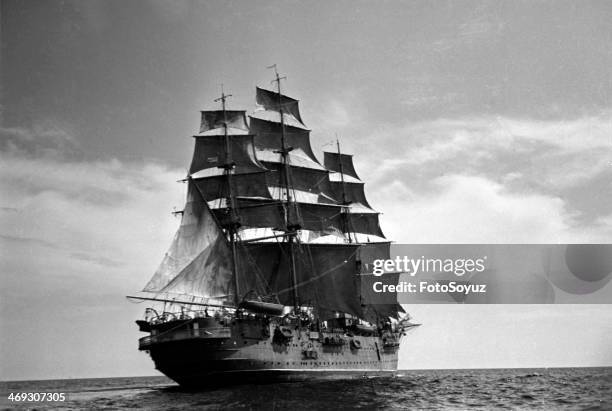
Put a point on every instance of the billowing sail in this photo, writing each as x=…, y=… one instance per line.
x=213, y=122
x=265, y=213
x=340, y=163
x=364, y=223
x=348, y=189
x=210, y=153
x=351, y=192
x=325, y=273
x=244, y=185
x=213, y=150
x=307, y=180
x=271, y=100
x=328, y=276
x=198, y=260
x=375, y=310
x=269, y=136
x=266, y=124
x=378, y=307
x=344, y=181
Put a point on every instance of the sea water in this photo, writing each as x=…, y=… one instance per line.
x=558, y=388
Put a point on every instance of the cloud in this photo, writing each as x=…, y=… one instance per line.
x=102, y=261
x=482, y=26
x=82, y=220
x=40, y=141
x=76, y=236
x=474, y=209
x=449, y=138
x=27, y=241
x=565, y=166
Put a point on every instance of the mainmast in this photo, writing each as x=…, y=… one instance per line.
x=291, y=225
x=345, y=205
x=233, y=224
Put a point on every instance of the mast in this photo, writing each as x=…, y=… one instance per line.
x=288, y=205
x=233, y=224
x=345, y=217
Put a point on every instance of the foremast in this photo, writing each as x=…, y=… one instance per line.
x=233, y=224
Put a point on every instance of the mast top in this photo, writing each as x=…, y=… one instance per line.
x=223, y=97
x=278, y=78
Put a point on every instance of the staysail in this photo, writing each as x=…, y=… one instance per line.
x=197, y=262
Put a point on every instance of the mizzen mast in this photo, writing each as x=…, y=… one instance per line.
x=345, y=204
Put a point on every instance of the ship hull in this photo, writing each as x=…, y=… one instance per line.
x=242, y=353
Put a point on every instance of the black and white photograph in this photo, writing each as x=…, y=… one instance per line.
x=304, y=205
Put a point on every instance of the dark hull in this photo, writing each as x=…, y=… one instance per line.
x=240, y=354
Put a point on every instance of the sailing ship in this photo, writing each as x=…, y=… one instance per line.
x=263, y=280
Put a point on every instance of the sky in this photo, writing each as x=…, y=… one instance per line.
x=471, y=122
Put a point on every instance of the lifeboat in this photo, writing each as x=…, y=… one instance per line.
x=263, y=307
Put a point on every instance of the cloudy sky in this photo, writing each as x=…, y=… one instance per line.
x=472, y=122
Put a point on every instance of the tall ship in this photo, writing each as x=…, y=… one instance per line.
x=266, y=277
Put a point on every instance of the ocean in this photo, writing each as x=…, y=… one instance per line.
x=546, y=389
